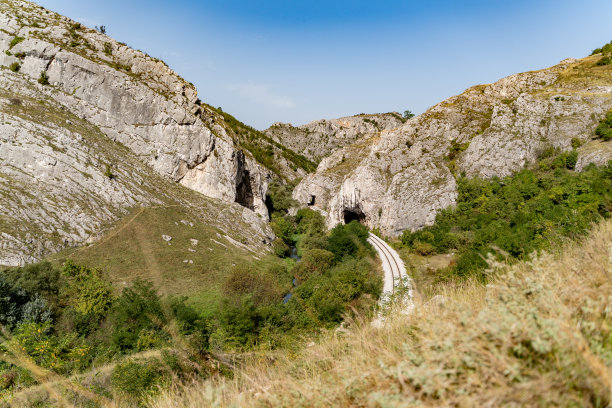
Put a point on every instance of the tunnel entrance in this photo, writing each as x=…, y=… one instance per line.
x=312, y=200
x=244, y=190
x=353, y=215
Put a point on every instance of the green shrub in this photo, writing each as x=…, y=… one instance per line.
x=347, y=240
x=314, y=261
x=62, y=354
x=423, y=248
x=15, y=41
x=576, y=143
x=136, y=380
x=86, y=290
x=246, y=281
x=14, y=67
x=607, y=48
x=138, y=308
x=16, y=306
x=41, y=279
x=108, y=49
x=187, y=319
x=605, y=60
x=310, y=222
x=43, y=79
x=108, y=172
x=283, y=228
x=604, y=130
x=278, y=198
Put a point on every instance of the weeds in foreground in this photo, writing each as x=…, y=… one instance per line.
x=539, y=334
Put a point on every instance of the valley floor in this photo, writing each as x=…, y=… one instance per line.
x=538, y=334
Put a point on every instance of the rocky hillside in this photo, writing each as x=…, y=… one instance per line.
x=320, y=138
x=90, y=128
x=398, y=179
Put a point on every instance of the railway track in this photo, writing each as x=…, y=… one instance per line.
x=395, y=272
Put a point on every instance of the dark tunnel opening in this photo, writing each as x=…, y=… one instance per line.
x=353, y=215
x=244, y=191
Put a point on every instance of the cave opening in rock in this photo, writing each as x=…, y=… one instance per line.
x=353, y=215
x=244, y=190
x=312, y=200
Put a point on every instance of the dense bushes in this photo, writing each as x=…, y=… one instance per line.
x=517, y=215
x=606, y=50
x=335, y=274
x=67, y=319
x=137, y=318
x=604, y=130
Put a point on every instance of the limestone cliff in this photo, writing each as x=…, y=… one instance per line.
x=78, y=109
x=398, y=179
x=320, y=138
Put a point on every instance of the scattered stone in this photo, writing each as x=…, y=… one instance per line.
x=167, y=238
x=193, y=241
x=191, y=249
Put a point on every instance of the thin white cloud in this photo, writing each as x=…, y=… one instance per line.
x=262, y=94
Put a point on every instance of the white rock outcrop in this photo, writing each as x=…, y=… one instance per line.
x=320, y=138
x=400, y=178
x=134, y=99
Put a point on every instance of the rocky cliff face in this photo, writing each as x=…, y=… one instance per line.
x=133, y=99
x=398, y=179
x=62, y=180
x=318, y=139
x=90, y=128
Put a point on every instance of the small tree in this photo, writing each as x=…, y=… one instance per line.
x=408, y=114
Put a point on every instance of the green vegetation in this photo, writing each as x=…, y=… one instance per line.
x=455, y=150
x=538, y=335
x=515, y=216
x=108, y=49
x=408, y=114
x=604, y=130
x=108, y=172
x=263, y=147
x=66, y=320
x=606, y=50
x=43, y=79
x=14, y=66
x=15, y=41
x=336, y=274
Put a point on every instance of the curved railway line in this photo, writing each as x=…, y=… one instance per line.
x=395, y=273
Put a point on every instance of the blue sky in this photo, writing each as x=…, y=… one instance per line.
x=296, y=61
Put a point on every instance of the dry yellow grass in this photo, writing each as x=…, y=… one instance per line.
x=538, y=335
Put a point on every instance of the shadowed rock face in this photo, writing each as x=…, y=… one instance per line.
x=400, y=178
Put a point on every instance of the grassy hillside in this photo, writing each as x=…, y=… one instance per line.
x=538, y=335
x=193, y=263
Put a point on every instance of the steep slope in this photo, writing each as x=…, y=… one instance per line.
x=62, y=180
x=320, y=138
x=91, y=128
x=400, y=178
